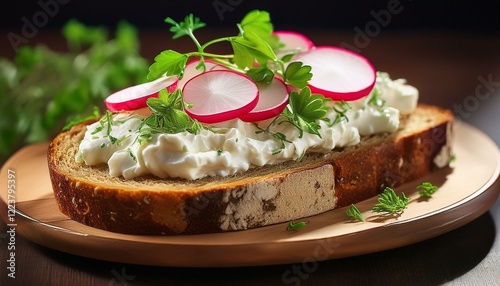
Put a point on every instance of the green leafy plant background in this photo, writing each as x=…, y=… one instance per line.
x=41, y=90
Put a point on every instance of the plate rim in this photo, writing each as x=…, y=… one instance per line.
x=490, y=189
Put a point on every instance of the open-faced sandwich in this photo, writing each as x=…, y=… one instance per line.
x=278, y=130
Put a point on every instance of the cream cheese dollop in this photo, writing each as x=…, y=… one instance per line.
x=234, y=146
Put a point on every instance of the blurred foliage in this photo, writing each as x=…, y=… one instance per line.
x=41, y=90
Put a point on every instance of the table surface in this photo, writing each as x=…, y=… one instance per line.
x=453, y=70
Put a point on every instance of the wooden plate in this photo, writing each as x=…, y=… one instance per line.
x=466, y=192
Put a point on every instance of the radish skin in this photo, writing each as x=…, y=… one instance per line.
x=273, y=99
x=338, y=73
x=135, y=97
x=293, y=42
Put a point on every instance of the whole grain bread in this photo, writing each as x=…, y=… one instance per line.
x=259, y=197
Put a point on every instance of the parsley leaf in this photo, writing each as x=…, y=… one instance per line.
x=391, y=203
x=257, y=22
x=168, y=63
x=75, y=121
x=305, y=109
x=249, y=48
x=261, y=74
x=168, y=116
x=185, y=27
x=297, y=74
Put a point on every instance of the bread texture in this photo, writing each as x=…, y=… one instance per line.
x=259, y=197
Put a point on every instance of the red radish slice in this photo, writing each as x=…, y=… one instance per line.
x=273, y=98
x=294, y=41
x=339, y=73
x=220, y=95
x=190, y=71
x=135, y=97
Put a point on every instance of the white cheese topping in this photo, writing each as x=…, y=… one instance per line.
x=233, y=146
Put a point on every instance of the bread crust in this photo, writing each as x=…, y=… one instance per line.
x=258, y=197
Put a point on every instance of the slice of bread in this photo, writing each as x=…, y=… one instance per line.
x=261, y=196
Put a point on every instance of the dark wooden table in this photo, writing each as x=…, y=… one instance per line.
x=450, y=70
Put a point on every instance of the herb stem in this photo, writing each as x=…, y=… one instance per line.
x=214, y=41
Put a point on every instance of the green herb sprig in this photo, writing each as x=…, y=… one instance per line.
x=303, y=112
x=295, y=226
x=427, y=189
x=253, y=54
x=254, y=43
x=354, y=213
x=167, y=116
x=390, y=203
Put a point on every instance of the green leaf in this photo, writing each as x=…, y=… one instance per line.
x=168, y=115
x=250, y=48
x=305, y=109
x=77, y=34
x=297, y=74
x=257, y=22
x=72, y=121
x=295, y=226
x=428, y=189
x=126, y=37
x=308, y=106
x=168, y=63
x=185, y=27
x=354, y=213
x=261, y=74
x=389, y=202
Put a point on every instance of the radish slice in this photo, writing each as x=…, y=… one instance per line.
x=293, y=42
x=190, y=70
x=135, y=97
x=220, y=95
x=339, y=73
x=273, y=98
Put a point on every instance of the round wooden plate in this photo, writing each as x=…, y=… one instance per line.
x=465, y=192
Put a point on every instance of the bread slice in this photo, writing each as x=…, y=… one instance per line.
x=258, y=197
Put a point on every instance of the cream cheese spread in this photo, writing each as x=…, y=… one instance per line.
x=234, y=146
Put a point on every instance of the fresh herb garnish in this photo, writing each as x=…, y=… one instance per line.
x=295, y=226
x=303, y=112
x=72, y=121
x=341, y=108
x=220, y=151
x=390, y=203
x=453, y=158
x=428, y=189
x=354, y=213
x=305, y=109
x=41, y=89
x=254, y=43
x=376, y=100
x=131, y=154
x=167, y=116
